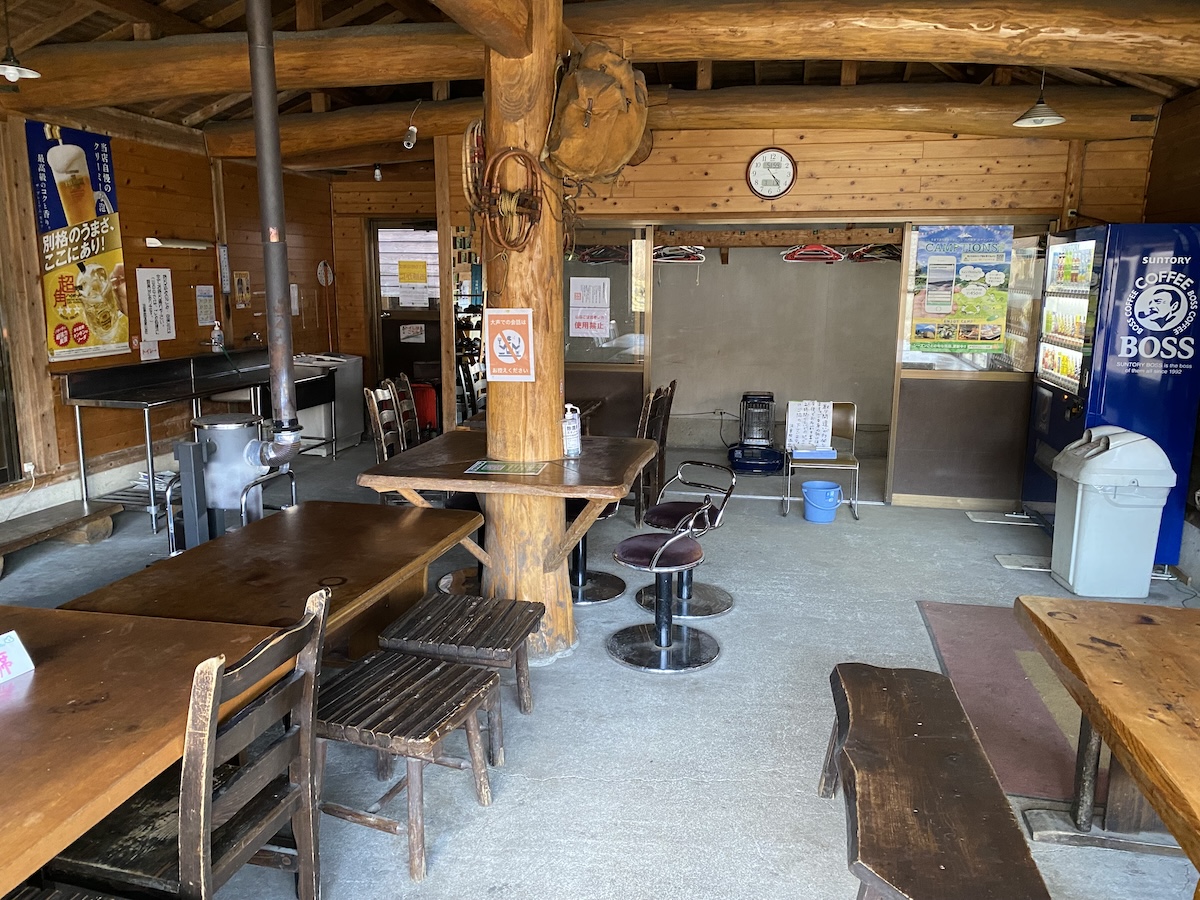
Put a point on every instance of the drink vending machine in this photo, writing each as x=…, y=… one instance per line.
x=1118, y=346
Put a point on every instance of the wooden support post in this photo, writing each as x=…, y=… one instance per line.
x=523, y=417
x=442, y=147
x=704, y=74
x=1076, y=154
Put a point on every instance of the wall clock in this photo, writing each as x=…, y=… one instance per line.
x=771, y=173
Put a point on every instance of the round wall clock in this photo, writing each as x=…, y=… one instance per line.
x=771, y=173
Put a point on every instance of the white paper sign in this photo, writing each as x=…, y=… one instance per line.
x=14, y=658
x=412, y=295
x=149, y=350
x=412, y=334
x=809, y=425
x=295, y=299
x=157, y=304
x=589, y=308
x=206, y=304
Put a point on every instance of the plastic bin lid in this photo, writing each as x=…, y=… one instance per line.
x=1113, y=457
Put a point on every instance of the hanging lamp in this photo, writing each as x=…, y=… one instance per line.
x=1040, y=114
x=10, y=68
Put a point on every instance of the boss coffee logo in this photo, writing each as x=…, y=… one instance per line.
x=1161, y=306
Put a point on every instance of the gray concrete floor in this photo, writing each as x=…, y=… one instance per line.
x=623, y=784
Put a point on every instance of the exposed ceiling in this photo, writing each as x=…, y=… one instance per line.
x=183, y=61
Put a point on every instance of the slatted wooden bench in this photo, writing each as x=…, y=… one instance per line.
x=926, y=817
x=78, y=521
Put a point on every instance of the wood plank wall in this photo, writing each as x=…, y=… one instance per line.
x=1173, y=194
x=856, y=175
x=160, y=193
x=309, y=239
x=406, y=193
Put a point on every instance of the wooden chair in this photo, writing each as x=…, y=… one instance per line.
x=653, y=424
x=385, y=423
x=406, y=409
x=845, y=422
x=394, y=703
x=474, y=384
x=240, y=781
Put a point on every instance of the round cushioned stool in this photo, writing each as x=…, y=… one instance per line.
x=692, y=600
x=664, y=646
x=589, y=587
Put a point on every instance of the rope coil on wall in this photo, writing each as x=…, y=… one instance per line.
x=511, y=214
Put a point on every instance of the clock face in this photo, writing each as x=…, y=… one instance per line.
x=771, y=173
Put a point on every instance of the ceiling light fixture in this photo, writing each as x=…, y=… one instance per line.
x=12, y=70
x=410, y=136
x=378, y=173
x=1040, y=114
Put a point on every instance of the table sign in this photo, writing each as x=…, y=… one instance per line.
x=499, y=467
x=14, y=658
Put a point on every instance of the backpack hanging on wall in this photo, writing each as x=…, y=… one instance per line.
x=599, y=116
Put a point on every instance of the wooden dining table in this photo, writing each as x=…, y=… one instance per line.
x=101, y=715
x=601, y=475
x=1134, y=670
x=373, y=558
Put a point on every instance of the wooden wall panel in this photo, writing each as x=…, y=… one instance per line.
x=406, y=194
x=310, y=240
x=1114, y=180
x=848, y=175
x=1173, y=194
x=161, y=192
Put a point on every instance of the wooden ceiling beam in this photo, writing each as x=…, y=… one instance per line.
x=772, y=237
x=142, y=11
x=503, y=25
x=391, y=152
x=72, y=15
x=1153, y=85
x=97, y=74
x=1161, y=38
x=344, y=129
x=1091, y=113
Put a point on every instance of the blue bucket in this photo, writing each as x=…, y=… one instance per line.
x=821, y=500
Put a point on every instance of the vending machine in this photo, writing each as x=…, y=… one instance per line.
x=1118, y=346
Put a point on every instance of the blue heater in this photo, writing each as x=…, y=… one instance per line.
x=753, y=453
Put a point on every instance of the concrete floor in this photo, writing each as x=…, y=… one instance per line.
x=623, y=784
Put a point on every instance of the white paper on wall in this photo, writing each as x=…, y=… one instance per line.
x=589, y=308
x=157, y=304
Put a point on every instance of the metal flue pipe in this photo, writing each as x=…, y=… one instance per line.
x=285, y=443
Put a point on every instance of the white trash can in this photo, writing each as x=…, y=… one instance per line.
x=1112, y=486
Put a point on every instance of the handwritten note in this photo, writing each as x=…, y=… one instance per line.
x=809, y=425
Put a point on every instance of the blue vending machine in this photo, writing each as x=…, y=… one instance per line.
x=1118, y=346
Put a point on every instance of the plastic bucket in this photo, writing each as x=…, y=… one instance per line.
x=821, y=500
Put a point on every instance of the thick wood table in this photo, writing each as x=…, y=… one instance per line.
x=1134, y=670
x=373, y=558
x=100, y=716
x=601, y=475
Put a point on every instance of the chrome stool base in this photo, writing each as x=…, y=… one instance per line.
x=690, y=648
x=706, y=600
x=600, y=587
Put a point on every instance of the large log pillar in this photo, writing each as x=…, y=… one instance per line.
x=524, y=417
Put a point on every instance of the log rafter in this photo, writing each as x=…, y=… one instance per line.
x=503, y=25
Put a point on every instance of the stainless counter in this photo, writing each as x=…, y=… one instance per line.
x=151, y=385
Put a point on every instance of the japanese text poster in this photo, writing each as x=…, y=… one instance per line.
x=156, y=304
x=508, y=337
x=960, y=287
x=83, y=269
x=589, y=308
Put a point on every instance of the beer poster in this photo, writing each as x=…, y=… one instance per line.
x=959, y=284
x=79, y=236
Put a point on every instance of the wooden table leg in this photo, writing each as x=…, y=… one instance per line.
x=1087, y=767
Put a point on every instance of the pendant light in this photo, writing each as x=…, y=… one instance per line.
x=1040, y=114
x=9, y=67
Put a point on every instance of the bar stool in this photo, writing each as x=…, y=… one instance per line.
x=664, y=646
x=589, y=587
x=692, y=601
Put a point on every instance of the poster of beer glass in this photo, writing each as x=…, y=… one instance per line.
x=83, y=269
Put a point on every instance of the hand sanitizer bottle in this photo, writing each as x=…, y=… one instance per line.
x=218, y=338
x=572, y=446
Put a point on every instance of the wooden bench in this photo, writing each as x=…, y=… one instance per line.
x=79, y=521
x=926, y=817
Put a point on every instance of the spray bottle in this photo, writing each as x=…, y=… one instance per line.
x=218, y=338
x=571, y=430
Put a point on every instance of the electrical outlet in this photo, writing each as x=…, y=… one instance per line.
x=718, y=412
x=28, y=468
